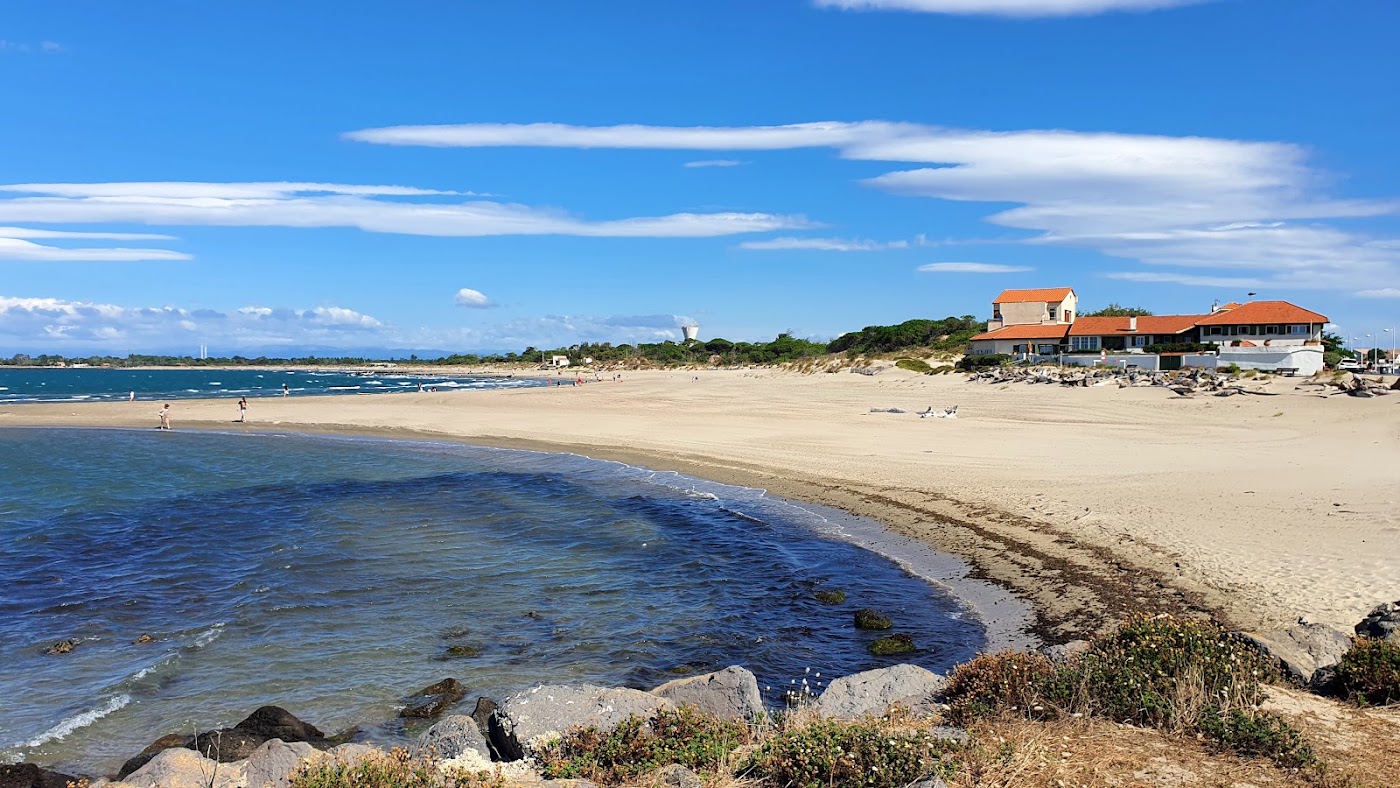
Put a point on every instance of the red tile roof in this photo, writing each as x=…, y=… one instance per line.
x=1049, y=295
x=1032, y=331
x=1261, y=312
x=1147, y=324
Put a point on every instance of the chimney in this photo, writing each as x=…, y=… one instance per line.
x=1132, y=323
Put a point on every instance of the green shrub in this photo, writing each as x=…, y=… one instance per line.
x=828, y=753
x=1008, y=681
x=1261, y=735
x=1369, y=672
x=914, y=365
x=1231, y=369
x=637, y=746
x=1157, y=671
x=942, y=369
x=970, y=363
x=393, y=769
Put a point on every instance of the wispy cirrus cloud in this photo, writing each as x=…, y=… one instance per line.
x=380, y=209
x=1011, y=8
x=25, y=48
x=15, y=244
x=823, y=244
x=973, y=268
x=1167, y=201
x=712, y=163
x=1380, y=292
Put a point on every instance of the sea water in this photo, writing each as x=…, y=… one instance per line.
x=34, y=384
x=334, y=576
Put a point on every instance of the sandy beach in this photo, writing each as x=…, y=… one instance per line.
x=1087, y=503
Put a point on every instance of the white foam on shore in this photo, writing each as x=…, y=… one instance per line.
x=77, y=721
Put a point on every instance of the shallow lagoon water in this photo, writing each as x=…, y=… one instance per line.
x=332, y=576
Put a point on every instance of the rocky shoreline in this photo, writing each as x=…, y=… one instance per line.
x=271, y=744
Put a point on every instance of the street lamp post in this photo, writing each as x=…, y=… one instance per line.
x=1391, y=357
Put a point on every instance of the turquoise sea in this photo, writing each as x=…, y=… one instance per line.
x=332, y=576
x=30, y=384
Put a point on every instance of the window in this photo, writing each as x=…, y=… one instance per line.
x=1215, y=331
x=1051, y=311
x=1045, y=350
x=1083, y=343
x=1139, y=341
x=1299, y=328
x=1270, y=329
x=1244, y=330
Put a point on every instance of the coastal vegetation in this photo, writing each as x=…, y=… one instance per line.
x=1190, y=688
x=1115, y=309
x=949, y=335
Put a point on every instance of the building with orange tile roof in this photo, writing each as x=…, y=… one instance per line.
x=1033, y=307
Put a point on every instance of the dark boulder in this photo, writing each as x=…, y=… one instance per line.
x=157, y=747
x=273, y=722
x=227, y=745
x=831, y=597
x=870, y=619
x=27, y=775
x=1383, y=623
x=431, y=700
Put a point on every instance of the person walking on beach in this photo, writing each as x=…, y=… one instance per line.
x=243, y=409
x=133, y=397
x=164, y=418
x=285, y=390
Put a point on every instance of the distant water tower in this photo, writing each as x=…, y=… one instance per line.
x=690, y=331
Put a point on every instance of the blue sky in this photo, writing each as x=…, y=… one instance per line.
x=480, y=176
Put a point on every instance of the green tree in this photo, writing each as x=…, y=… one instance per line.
x=1115, y=309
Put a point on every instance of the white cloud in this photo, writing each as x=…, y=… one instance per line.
x=473, y=299
x=973, y=268
x=1169, y=201
x=1012, y=8
x=196, y=190
x=713, y=163
x=824, y=244
x=338, y=205
x=18, y=249
x=52, y=48
x=39, y=323
x=1380, y=292
x=27, y=232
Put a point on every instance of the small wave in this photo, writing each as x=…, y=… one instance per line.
x=66, y=727
x=4, y=388
x=209, y=635
x=341, y=388
x=215, y=383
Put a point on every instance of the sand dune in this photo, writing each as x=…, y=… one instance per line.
x=1087, y=502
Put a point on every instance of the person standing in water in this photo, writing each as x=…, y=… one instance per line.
x=164, y=418
x=243, y=409
x=285, y=390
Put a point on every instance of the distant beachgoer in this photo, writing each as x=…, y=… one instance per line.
x=285, y=390
x=132, y=398
x=164, y=418
x=243, y=409
x=420, y=387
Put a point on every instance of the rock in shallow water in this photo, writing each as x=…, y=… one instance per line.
x=433, y=699
x=871, y=619
x=892, y=644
